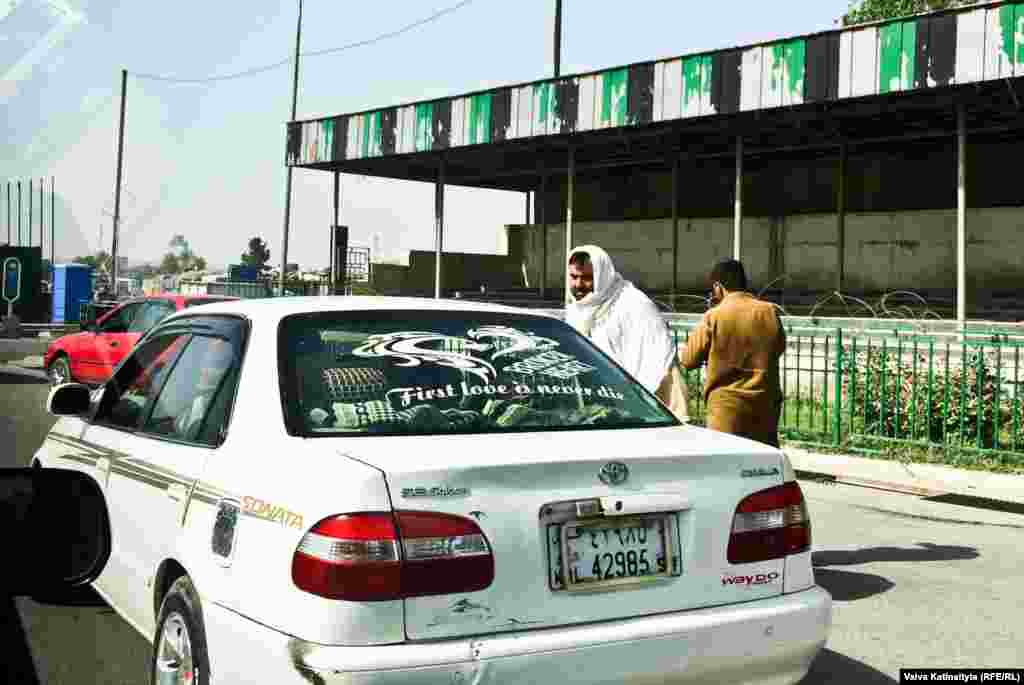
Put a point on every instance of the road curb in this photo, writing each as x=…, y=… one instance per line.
x=923, y=480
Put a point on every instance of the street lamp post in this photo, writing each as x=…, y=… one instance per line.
x=288, y=181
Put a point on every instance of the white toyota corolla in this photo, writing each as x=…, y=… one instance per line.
x=378, y=490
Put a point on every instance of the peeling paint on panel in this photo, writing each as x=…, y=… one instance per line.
x=478, y=121
x=771, y=79
x=696, y=85
x=424, y=135
x=340, y=139
x=543, y=108
x=1018, y=39
x=388, y=130
x=970, y=46
x=750, y=80
x=370, y=135
x=355, y=136
x=641, y=95
x=442, y=124
x=793, y=67
x=611, y=99
x=501, y=111
x=897, y=45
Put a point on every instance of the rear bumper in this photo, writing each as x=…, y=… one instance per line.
x=770, y=641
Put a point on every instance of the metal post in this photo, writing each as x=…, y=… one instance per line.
x=41, y=181
x=117, y=187
x=841, y=220
x=542, y=217
x=438, y=227
x=961, y=217
x=335, y=266
x=675, y=229
x=288, y=177
x=53, y=214
x=30, y=212
x=737, y=231
x=19, y=213
x=570, y=191
x=558, y=38
x=8, y=212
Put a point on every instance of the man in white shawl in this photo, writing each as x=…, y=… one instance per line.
x=625, y=324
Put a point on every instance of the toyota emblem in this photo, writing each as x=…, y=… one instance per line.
x=613, y=473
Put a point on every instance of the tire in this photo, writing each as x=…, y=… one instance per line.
x=60, y=371
x=179, y=648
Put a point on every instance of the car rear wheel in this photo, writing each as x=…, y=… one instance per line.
x=179, y=651
x=60, y=371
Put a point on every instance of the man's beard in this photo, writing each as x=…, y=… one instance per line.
x=579, y=294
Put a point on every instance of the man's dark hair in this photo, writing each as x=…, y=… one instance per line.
x=730, y=273
x=579, y=258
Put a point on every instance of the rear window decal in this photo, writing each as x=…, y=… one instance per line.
x=408, y=347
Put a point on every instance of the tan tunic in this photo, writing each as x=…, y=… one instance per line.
x=741, y=341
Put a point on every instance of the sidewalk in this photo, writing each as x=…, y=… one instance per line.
x=926, y=480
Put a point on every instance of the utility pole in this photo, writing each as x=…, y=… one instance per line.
x=117, y=187
x=53, y=206
x=558, y=38
x=288, y=181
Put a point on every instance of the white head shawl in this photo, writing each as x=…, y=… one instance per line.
x=608, y=284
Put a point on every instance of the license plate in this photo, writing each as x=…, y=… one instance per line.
x=617, y=552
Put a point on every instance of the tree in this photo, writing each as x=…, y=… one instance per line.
x=198, y=264
x=258, y=254
x=99, y=261
x=170, y=264
x=877, y=10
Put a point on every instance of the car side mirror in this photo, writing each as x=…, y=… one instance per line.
x=56, y=525
x=69, y=399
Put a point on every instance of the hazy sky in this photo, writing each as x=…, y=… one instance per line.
x=207, y=160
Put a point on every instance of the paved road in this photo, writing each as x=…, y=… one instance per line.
x=915, y=583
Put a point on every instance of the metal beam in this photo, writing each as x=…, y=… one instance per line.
x=542, y=217
x=117, y=188
x=558, y=38
x=288, y=176
x=961, y=216
x=335, y=266
x=841, y=220
x=438, y=227
x=570, y=191
x=675, y=230
x=737, y=229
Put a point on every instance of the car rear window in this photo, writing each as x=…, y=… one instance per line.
x=430, y=372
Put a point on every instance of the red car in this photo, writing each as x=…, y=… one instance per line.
x=91, y=356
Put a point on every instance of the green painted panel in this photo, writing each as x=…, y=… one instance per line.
x=327, y=140
x=896, y=56
x=613, y=97
x=795, y=60
x=775, y=75
x=479, y=119
x=543, y=96
x=1008, y=27
x=1018, y=36
x=424, y=137
x=371, y=135
x=693, y=85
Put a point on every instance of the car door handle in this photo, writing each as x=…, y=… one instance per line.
x=176, y=491
x=113, y=344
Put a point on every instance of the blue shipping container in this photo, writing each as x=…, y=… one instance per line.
x=72, y=286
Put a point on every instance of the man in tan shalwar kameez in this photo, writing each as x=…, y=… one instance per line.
x=741, y=339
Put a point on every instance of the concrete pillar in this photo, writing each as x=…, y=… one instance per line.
x=542, y=217
x=841, y=220
x=961, y=216
x=675, y=229
x=737, y=231
x=438, y=227
x=570, y=191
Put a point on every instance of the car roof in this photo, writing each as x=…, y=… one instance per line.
x=275, y=308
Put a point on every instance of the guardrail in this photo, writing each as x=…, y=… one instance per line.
x=939, y=390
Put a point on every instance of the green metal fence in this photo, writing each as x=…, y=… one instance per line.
x=958, y=391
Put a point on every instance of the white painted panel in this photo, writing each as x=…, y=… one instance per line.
x=865, y=62
x=513, y=114
x=599, y=101
x=998, y=63
x=846, y=64
x=673, y=87
x=524, y=122
x=458, y=137
x=409, y=129
x=970, y=46
x=658, y=110
x=585, y=109
x=750, y=80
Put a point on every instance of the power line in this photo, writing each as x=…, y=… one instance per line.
x=315, y=53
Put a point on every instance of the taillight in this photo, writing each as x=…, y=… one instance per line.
x=380, y=556
x=770, y=524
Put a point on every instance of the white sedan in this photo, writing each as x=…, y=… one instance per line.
x=378, y=490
